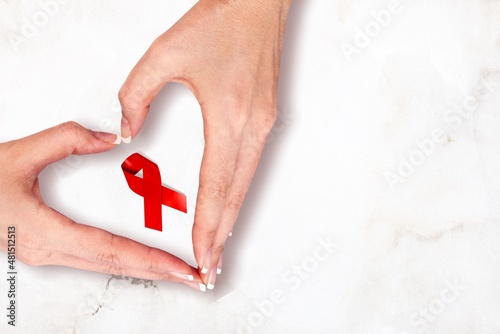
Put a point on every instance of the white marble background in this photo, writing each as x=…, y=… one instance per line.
x=373, y=154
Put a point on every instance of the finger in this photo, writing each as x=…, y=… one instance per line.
x=246, y=166
x=61, y=259
x=158, y=66
x=59, y=142
x=254, y=138
x=96, y=245
x=71, y=261
x=216, y=175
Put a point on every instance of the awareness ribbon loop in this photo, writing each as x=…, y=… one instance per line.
x=151, y=189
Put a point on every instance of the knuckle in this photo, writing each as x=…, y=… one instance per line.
x=159, y=47
x=69, y=127
x=131, y=95
x=266, y=119
x=70, y=130
x=153, y=265
x=125, y=98
x=151, y=262
x=216, y=190
x=235, y=202
x=263, y=125
x=220, y=190
x=108, y=255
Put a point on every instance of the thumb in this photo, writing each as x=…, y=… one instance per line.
x=59, y=142
x=145, y=81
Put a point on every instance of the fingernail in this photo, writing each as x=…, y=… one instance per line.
x=107, y=137
x=126, y=133
x=230, y=234
x=219, y=265
x=127, y=140
x=207, y=262
x=211, y=279
x=197, y=286
x=182, y=276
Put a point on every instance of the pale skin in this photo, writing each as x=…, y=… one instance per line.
x=228, y=53
x=46, y=237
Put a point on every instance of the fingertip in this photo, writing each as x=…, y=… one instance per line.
x=186, y=277
x=219, y=264
x=196, y=285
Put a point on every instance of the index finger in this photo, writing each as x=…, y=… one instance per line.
x=157, y=67
x=97, y=245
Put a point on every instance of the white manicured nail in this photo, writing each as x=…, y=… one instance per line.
x=203, y=288
x=219, y=264
x=230, y=234
x=204, y=270
x=211, y=279
x=118, y=140
x=182, y=276
x=127, y=140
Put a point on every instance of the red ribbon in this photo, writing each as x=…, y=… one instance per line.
x=150, y=187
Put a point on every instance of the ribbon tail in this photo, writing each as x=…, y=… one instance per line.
x=174, y=199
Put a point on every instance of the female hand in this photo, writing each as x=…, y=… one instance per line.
x=228, y=54
x=46, y=237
